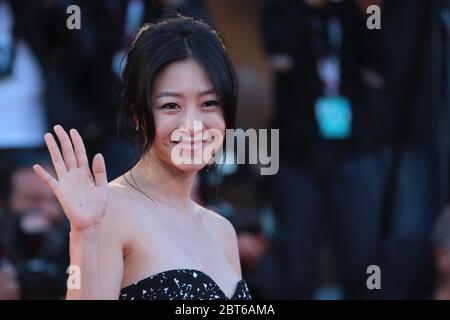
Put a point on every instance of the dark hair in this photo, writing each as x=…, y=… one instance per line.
x=156, y=46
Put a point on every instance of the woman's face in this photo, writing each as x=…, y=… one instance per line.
x=189, y=123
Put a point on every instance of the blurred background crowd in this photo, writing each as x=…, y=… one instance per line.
x=363, y=116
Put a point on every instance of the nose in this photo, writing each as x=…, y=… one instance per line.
x=191, y=123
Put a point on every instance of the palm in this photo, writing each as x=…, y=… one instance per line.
x=83, y=202
x=82, y=195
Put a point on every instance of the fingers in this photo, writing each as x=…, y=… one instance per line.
x=73, y=156
x=80, y=150
x=66, y=146
x=55, y=154
x=45, y=177
x=99, y=170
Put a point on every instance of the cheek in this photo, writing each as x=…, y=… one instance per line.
x=221, y=128
x=217, y=122
x=214, y=132
x=164, y=126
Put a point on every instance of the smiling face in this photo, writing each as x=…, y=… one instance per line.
x=187, y=113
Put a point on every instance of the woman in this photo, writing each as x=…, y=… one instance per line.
x=144, y=223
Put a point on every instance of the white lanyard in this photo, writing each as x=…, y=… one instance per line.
x=328, y=67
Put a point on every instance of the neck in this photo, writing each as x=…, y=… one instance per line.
x=163, y=182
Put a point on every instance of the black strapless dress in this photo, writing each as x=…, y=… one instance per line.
x=181, y=284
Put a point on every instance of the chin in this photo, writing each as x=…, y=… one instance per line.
x=189, y=168
x=190, y=165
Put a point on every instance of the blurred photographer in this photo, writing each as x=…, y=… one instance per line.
x=34, y=236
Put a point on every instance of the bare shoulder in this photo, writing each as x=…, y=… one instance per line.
x=226, y=235
x=218, y=222
x=118, y=220
x=116, y=202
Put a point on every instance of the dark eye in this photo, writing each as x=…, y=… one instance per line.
x=170, y=106
x=210, y=103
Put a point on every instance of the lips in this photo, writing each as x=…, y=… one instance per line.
x=193, y=145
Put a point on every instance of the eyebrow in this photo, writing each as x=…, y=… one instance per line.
x=176, y=94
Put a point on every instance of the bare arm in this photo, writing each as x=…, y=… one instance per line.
x=98, y=254
x=94, y=254
x=84, y=256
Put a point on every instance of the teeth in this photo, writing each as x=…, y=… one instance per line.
x=193, y=146
x=194, y=142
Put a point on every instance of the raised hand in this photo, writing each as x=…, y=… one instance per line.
x=82, y=194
